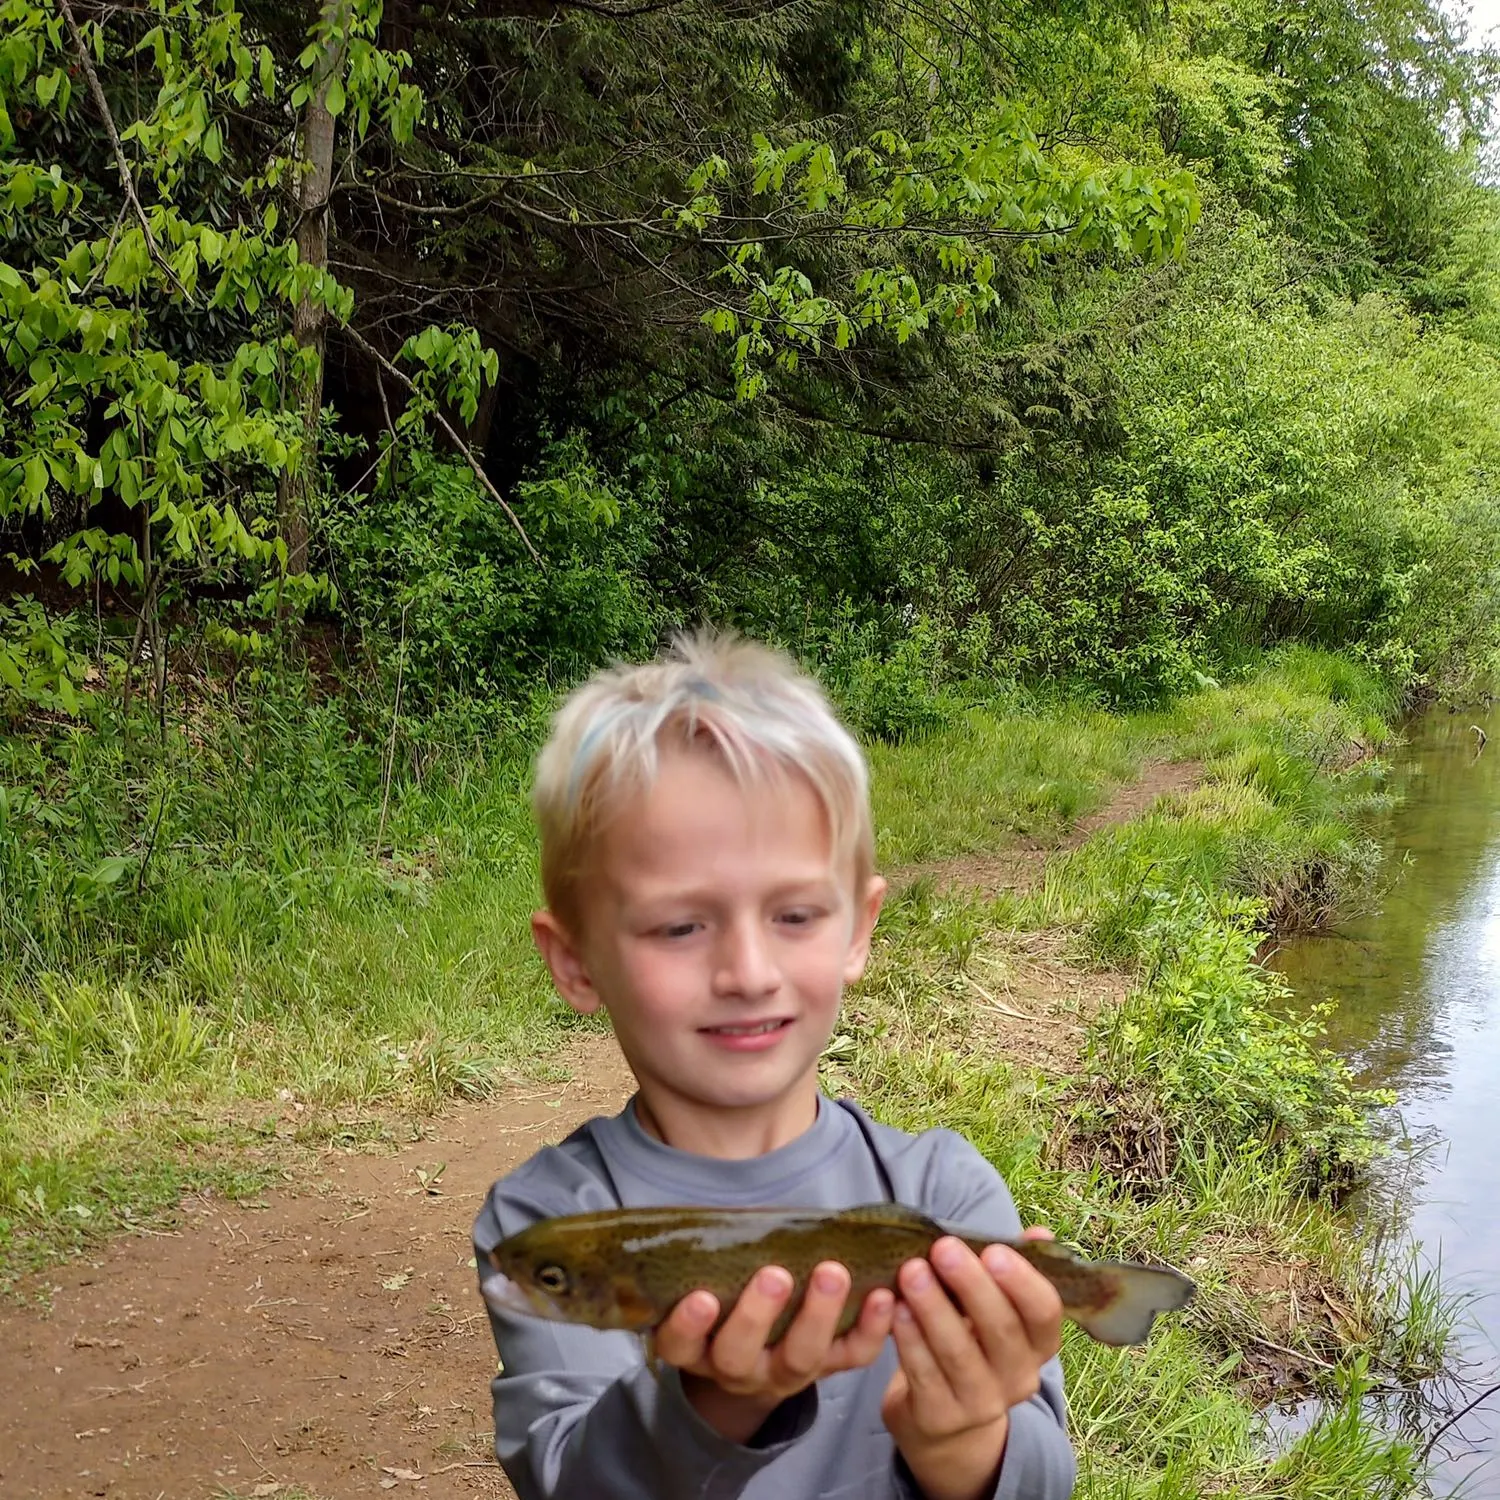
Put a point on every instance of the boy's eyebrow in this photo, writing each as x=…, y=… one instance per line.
x=809, y=885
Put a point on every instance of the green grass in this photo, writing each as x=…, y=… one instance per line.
x=190, y=928
x=386, y=1009
x=985, y=780
x=190, y=924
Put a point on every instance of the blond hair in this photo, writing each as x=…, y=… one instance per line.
x=752, y=707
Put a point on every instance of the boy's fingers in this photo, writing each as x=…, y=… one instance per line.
x=863, y=1343
x=1033, y=1298
x=740, y=1343
x=804, y=1349
x=682, y=1339
x=952, y=1341
x=929, y=1387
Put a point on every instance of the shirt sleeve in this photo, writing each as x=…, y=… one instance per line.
x=580, y=1416
x=966, y=1192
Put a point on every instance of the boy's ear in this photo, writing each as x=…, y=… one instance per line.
x=866, y=913
x=564, y=962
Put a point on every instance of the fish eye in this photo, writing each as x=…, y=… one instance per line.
x=552, y=1279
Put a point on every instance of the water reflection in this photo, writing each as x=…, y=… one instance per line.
x=1417, y=987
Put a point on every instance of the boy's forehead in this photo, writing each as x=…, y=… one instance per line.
x=694, y=789
x=696, y=818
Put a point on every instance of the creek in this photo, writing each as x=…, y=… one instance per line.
x=1417, y=990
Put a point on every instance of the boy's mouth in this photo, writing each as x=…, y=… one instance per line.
x=748, y=1035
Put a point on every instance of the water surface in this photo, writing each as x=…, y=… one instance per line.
x=1417, y=986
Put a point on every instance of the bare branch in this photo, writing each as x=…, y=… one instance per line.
x=127, y=181
x=457, y=441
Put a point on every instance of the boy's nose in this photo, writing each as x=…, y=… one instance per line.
x=745, y=965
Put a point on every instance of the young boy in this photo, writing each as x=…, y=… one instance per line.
x=708, y=867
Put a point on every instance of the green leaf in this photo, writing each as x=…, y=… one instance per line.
x=333, y=100
x=110, y=869
x=36, y=477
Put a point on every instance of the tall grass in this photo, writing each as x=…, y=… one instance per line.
x=986, y=779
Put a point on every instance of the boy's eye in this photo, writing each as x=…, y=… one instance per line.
x=799, y=916
x=677, y=929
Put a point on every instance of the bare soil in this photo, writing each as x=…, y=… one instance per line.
x=1033, y=1004
x=327, y=1340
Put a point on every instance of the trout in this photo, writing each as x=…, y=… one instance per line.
x=627, y=1268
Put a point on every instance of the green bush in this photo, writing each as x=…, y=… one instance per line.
x=1201, y=1051
x=435, y=580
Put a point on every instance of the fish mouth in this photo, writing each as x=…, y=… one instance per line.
x=503, y=1295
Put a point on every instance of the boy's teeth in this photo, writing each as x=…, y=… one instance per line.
x=748, y=1030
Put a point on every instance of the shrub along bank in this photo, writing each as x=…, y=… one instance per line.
x=261, y=901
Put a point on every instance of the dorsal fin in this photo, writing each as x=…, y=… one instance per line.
x=892, y=1216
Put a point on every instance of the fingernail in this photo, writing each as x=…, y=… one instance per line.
x=1001, y=1260
x=947, y=1255
x=919, y=1278
x=903, y=1313
x=828, y=1280
x=772, y=1281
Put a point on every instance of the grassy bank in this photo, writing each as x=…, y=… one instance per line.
x=195, y=931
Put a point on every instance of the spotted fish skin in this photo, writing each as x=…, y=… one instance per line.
x=626, y=1268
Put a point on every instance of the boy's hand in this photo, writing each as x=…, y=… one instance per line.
x=963, y=1368
x=733, y=1380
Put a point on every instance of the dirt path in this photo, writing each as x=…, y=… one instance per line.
x=1024, y=864
x=331, y=1343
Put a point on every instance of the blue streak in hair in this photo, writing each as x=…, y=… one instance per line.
x=591, y=737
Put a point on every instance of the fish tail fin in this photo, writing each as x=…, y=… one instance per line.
x=1139, y=1293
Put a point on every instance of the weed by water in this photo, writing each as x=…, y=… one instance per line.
x=1344, y=1452
x=1239, y=1119
x=1200, y=1053
x=1417, y=1313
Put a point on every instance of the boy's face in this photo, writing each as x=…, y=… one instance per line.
x=718, y=932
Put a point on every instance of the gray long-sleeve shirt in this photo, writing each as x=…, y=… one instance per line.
x=579, y=1416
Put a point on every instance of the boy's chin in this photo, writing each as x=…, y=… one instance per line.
x=766, y=1092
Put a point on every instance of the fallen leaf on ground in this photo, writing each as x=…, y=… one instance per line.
x=432, y=1181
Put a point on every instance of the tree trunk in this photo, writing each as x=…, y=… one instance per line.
x=309, y=318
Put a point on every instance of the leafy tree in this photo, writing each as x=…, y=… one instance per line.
x=504, y=335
